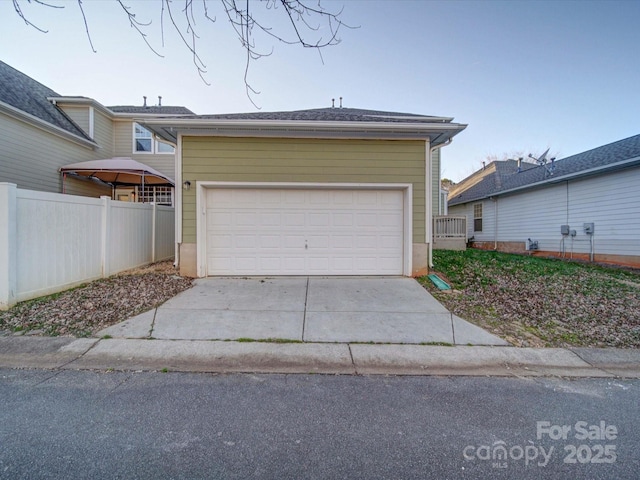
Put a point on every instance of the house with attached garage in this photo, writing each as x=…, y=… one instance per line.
x=586, y=206
x=41, y=131
x=329, y=191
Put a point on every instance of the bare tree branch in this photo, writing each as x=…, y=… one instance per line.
x=309, y=25
x=18, y=9
x=199, y=64
x=86, y=26
x=138, y=25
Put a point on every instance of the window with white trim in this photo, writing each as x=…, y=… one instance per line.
x=477, y=217
x=143, y=142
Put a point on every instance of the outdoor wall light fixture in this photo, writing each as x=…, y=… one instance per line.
x=186, y=185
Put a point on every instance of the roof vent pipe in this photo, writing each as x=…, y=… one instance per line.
x=519, y=164
x=333, y=103
x=145, y=101
x=484, y=165
x=340, y=102
x=159, y=101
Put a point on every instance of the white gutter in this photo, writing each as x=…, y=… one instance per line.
x=340, y=125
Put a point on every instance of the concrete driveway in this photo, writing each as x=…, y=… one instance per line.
x=308, y=309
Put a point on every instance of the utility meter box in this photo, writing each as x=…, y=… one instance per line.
x=564, y=229
x=588, y=228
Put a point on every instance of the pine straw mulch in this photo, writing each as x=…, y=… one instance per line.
x=89, y=308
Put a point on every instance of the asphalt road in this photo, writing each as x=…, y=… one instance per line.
x=84, y=424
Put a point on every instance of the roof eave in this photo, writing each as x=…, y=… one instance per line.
x=49, y=127
x=552, y=180
x=148, y=115
x=169, y=130
x=81, y=101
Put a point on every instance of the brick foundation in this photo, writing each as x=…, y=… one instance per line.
x=518, y=247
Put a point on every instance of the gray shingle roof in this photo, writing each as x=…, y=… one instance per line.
x=25, y=94
x=152, y=109
x=331, y=115
x=507, y=178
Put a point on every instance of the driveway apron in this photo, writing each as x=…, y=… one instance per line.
x=308, y=309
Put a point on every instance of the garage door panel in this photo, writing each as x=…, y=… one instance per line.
x=389, y=220
x=293, y=219
x=367, y=198
x=220, y=240
x=304, y=232
x=390, y=242
x=342, y=220
x=318, y=219
x=270, y=241
x=318, y=197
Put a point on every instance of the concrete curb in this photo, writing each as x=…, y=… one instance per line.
x=326, y=358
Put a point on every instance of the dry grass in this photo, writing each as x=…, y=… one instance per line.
x=84, y=310
x=538, y=302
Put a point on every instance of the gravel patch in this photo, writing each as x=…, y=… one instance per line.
x=87, y=309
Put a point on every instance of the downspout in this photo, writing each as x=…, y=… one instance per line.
x=495, y=223
x=177, y=212
x=428, y=225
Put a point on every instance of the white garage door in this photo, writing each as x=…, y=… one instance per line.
x=304, y=232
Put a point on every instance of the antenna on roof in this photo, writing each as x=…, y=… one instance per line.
x=542, y=161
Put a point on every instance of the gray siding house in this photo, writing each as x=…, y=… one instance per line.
x=586, y=206
x=41, y=130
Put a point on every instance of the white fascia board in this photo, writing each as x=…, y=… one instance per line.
x=81, y=101
x=46, y=126
x=308, y=124
x=168, y=129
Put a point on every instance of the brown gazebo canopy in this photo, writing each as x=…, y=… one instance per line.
x=118, y=171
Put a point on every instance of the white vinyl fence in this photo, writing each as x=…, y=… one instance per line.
x=50, y=242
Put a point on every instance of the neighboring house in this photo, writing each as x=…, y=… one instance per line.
x=586, y=206
x=40, y=131
x=330, y=191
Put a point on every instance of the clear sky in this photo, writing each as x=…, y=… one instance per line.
x=524, y=75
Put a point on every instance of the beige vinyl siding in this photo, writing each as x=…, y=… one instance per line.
x=123, y=147
x=103, y=134
x=79, y=114
x=30, y=157
x=303, y=160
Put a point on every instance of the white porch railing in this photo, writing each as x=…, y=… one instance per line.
x=449, y=227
